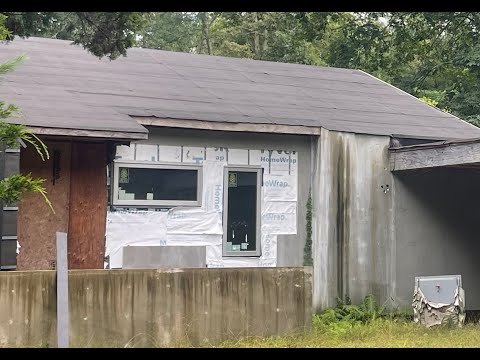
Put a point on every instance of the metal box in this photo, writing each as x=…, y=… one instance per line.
x=439, y=289
x=156, y=257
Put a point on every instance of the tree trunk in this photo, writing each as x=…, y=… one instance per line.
x=204, y=20
x=200, y=44
x=256, y=37
x=265, y=45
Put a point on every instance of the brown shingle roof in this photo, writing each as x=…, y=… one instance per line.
x=63, y=86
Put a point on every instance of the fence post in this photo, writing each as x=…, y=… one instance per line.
x=62, y=291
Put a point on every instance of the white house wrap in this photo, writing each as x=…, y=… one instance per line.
x=203, y=225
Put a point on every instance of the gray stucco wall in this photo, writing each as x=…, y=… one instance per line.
x=437, y=214
x=353, y=234
x=290, y=247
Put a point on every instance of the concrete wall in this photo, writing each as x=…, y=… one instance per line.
x=155, y=307
x=290, y=247
x=437, y=214
x=353, y=234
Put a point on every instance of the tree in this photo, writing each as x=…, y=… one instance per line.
x=174, y=31
x=11, y=135
x=102, y=33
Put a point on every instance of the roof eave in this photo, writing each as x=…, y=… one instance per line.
x=85, y=133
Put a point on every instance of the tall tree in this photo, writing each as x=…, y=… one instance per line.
x=174, y=31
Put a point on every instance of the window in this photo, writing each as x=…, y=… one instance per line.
x=155, y=184
x=241, y=214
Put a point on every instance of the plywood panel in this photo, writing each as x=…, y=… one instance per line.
x=88, y=206
x=37, y=224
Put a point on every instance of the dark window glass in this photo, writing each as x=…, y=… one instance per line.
x=157, y=184
x=242, y=211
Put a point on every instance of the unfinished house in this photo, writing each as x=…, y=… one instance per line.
x=164, y=159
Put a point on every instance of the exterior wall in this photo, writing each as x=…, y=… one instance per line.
x=436, y=222
x=353, y=235
x=151, y=308
x=79, y=204
x=290, y=247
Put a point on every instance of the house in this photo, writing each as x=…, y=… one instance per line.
x=210, y=161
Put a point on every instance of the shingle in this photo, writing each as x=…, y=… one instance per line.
x=61, y=85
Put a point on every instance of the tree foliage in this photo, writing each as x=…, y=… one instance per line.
x=11, y=135
x=102, y=33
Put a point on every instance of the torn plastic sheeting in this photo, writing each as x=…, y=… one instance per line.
x=429, y=313
x=194, y=221
x=280, y=187
x=18, y=248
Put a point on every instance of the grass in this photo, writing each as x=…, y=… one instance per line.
x=379, y=333
x=369, y=325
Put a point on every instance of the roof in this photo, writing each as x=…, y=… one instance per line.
x=436, y=144
x=63, y=86
x=460, y=154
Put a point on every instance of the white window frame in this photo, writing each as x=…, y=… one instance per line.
x=258, y=247
x=156, y=165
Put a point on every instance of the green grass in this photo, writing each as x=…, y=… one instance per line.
x=379, y=333
x=369, y=325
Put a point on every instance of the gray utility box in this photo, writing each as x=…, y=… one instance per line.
x=439, y=289
x=155, y=257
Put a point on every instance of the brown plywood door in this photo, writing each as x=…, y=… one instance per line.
x=88, y=206
x=36, y=223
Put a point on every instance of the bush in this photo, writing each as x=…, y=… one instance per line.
x=363, y=313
